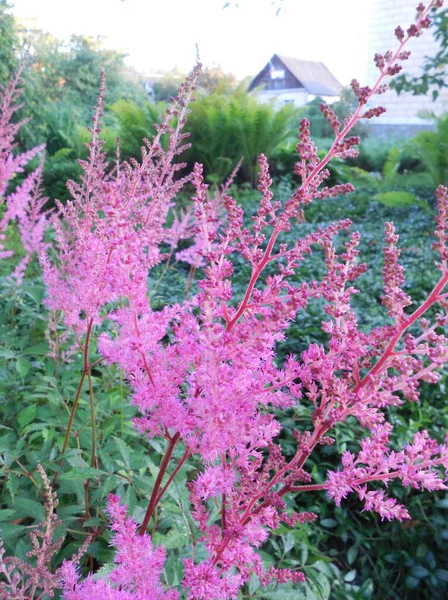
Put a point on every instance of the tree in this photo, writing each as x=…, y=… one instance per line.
x=8, y=42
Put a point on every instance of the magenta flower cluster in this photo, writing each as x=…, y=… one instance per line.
x=25, y=204
x=203, y=373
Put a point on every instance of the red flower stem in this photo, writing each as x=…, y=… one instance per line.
x=142, y=356
x=256, y=271
x=324, y=486
x=173, y=475
x=224, y=500
x=433, y=297
x=155, y=492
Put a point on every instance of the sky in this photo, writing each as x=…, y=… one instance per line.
x=240, y=38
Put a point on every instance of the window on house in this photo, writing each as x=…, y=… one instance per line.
x=277, y=73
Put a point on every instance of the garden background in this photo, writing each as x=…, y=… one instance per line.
x=347, y=554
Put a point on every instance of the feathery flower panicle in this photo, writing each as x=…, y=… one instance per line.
x=108, y=235
x=204, y=373
x=137, y=569
x=395, y=300
x=22, y=579
x=25, y=203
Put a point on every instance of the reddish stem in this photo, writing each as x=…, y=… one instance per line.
x=155, y=492
x=173, y=475
x=433, y=297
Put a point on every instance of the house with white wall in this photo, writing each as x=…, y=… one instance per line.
x=287, y=80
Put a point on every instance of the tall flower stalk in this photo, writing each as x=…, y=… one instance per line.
x=204, y=373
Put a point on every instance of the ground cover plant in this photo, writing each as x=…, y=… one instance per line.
x=244, y=424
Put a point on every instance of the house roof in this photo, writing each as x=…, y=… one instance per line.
x=314, y=76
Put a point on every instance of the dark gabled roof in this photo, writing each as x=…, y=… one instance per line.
x=314, y=76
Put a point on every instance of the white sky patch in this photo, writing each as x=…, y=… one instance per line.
x=162, y=34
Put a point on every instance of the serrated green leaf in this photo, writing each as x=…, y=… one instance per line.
x=23, y=366
x=175, y=539
x=125, y=452
x=26, y=507
x=27, y=415
x=254, y=584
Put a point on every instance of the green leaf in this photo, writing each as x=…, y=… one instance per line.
x=27, y=415
x=175, y=539
x=254, y=584
x=6, y=513
x=412, y=582
x=288, y=542
x=442, y=574
x=422, y=550
x=12, y=485
x=82, y=473
x=352, y=554
x=395, y=199
x=95, y=522
x=350, y=576
x=125, y=452
x=25, y=507
x=330, y=523
x=23, y=366
x=282, y=594
x=420, y=572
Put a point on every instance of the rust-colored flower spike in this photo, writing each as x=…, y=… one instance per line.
x=331, y=117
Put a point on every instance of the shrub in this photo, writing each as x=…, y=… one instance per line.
x=204, y=374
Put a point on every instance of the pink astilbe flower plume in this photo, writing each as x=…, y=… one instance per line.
x=204, y=374
x=25, y=203
x=137, y=566
x=108, y=235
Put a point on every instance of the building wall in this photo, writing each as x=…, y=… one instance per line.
x=403, y=109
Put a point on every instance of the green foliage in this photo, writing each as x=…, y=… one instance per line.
x=432, y=148
x=131, y=123
x=213, y=80
x=8, y=41
x=167, y=86
x=60, y=86
x=225, y=128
